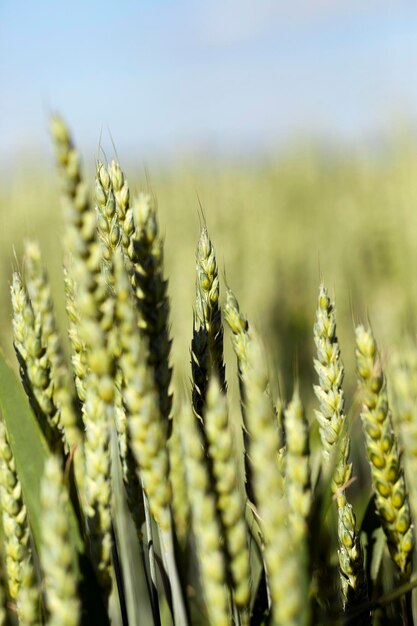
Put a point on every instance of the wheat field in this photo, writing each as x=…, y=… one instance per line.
x=279, y=226
x=164, y=487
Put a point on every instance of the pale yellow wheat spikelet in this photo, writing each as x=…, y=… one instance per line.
x=107, y=220
x=28, y=599
x=57, y=559
x=79, y=356
x=351, y=561
x=124, y=211
x=390, y=490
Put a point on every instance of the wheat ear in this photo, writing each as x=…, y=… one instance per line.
x=177, y=474
x=388, y=483
x=78, y=356
x=57, y=560
x=284, y=554
x=151, y=294
x=146, y=432
x=98, y=414
x=209, y=310
x=230, y=501
x=107, y=219
x=403, y=377
x=328, y=365
x=205, y=524
x=76, y=199
x=79, y=241
x=95, y=308
x=129, y=465
x=332, y=420
x=239, y=326
x=39, y=292
x=14, y=517
x=35, y=366
x=297, y=468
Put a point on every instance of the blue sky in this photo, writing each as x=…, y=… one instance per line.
x=224, y=76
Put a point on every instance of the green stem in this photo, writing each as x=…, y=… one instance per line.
x=407, y=609
x=167, y=545
x=152, y=567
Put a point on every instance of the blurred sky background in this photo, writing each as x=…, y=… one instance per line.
x=225, y=77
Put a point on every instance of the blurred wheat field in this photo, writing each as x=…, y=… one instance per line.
x=278, y=226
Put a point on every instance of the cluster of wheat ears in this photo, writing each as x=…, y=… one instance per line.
x=120, y=506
